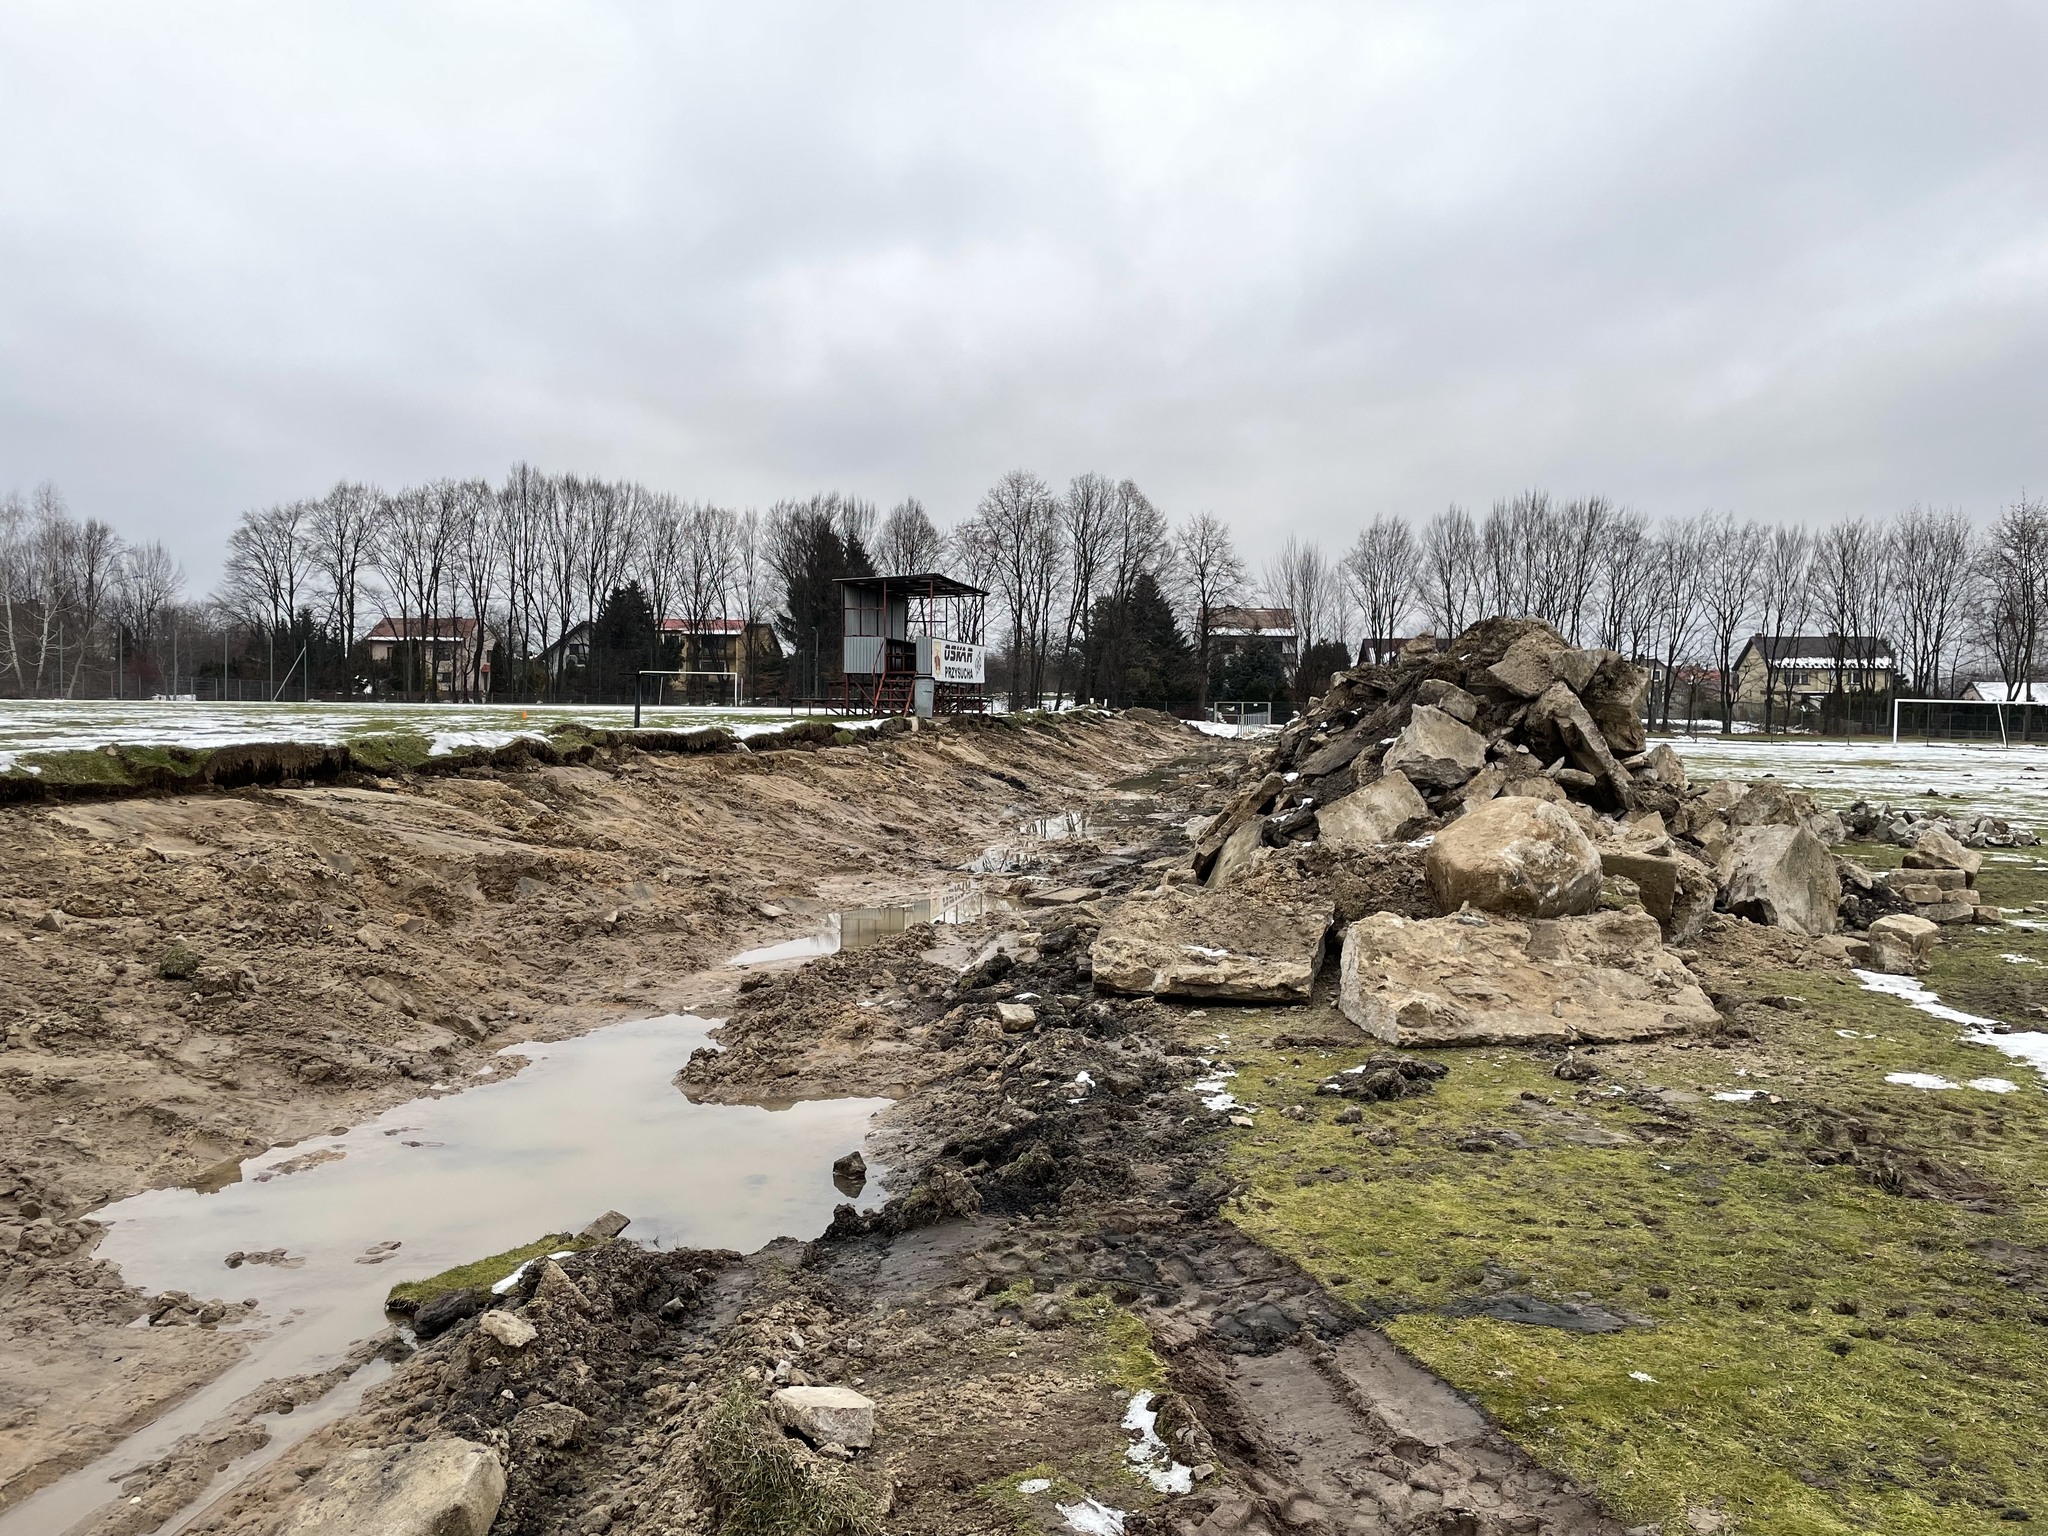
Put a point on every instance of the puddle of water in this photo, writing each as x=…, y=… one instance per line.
x=592, y=1124
x=859, y=927
x=1005, y=858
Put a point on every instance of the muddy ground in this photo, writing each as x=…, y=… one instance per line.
x=188, y=980
x=1546, y=1292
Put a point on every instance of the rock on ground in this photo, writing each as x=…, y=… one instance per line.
x=1383, y=812
x=437, y=1488
x=1435, y=750
x=1783, y=877
x=1515, y=856
x=826, y=1415
x=1467, y=980
x=1213, y=944
x=1900, y=944
x=1935, y=849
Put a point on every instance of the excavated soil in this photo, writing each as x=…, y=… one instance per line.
x=187, y=981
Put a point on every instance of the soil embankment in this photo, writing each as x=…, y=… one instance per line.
x=189, y=980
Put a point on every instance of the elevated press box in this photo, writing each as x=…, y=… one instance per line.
x=906, y=649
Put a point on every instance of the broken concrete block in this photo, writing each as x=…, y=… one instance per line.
x=508, y=1328
x=1677, y=890
x=1016, y=1017
x=1783, y=877
x=606, y=1227
x=1448, y=697
x=1519, y=857
x=826, y=1415
x=435, y=1488
x=1187, y=942
x=1435, y=751
x=1539, y=659
x=1558, y=720
x=1467, y=980
x=1662, y=767
x=1900, y=944
x=1614, y=697
x=1240, y=850
x=1386, y=811
x=1935, y=849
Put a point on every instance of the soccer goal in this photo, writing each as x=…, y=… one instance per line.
x=640, y=684
x=2009, y=722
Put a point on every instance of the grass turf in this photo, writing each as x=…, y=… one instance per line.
x=1846, y=1290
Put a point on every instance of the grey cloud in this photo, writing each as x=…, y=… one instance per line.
x=1294, y=263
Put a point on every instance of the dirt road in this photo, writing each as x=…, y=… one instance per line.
x=188, y=981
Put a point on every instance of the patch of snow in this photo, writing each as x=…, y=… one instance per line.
x=1926, y=1080
x=1149, y=1453
x=1035, y=1485
x=1993, y=1085
x=2019, y=959
x=1908, y=990
x=1739, y=1095
x=506, y=1284
x=1205, y=952
x=1091, y=1517
x=1642, y=1376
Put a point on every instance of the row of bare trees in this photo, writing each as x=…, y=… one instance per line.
x=80, y=607
x=1925, y=587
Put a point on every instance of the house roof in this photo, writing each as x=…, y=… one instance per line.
x=921, y=584
x=407, y=627
x=1277, y=622
x=1854, y=650
x=1990, y=688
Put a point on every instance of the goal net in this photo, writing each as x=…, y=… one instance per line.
x=1999, y=722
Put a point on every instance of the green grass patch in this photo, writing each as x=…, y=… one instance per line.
x=390, y=751
x=478, y=1274
x=1121, y=1348
x=1827, y=1354
x=757, y=1485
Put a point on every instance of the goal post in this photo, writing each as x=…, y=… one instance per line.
x=640, y=683
x=2000, y=720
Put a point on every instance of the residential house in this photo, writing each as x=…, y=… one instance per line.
x=1233, y=631
x=712, y=645
x=1995, y=688
x=1808, y=668
x=453, y=653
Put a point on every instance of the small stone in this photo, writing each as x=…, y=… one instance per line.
x=1016, y=1017
x=826, y=1415
x=445, y=1311
x=446, y=1487
x=508, y=1328
x=606, y=1227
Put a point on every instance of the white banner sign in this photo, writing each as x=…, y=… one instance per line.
x=957, y=662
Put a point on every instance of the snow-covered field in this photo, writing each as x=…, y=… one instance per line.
x=2009, y=782
x=31, y=726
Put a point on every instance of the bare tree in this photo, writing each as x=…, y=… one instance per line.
x=1021, y=519
x=1681, y=554
x=908, y=543
x=1448, y=587
x=1087, y=514
x=749, y=587
x=1211, y=575
x=414, y=540
x=1380, y=569
x=1929, y=566
x=1787, y=596
x=95, y=568
x=147, y=588
x=2009, y=614
x=1732, y=566
x=1847, y=582
x=523, y=522
x=340, y=537
x=710, y=565
x=474, y=567
x=1301, y=579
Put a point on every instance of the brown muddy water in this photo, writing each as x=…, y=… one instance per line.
x=858, y=927
x=587, y=1125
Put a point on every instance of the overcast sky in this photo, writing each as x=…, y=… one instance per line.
x=1293, y=264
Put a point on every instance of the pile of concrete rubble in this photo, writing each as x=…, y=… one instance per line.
x=1901, y=825
x=1564, y=857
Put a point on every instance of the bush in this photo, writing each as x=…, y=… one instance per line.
x=178, y=963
